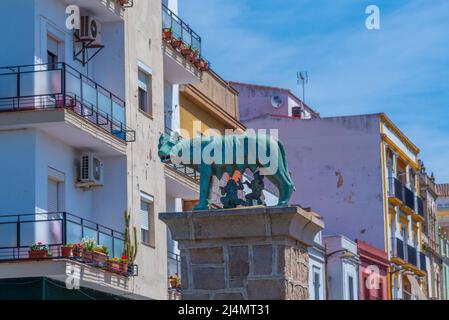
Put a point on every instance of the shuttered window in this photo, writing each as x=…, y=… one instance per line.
x=52, y=204
x=146, y=219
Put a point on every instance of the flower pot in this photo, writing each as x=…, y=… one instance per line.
x=186, y=52
x=88, y=256
x=124, y=267
x=177, y=44
x=100, y=258
x=38, y=254
x=114, y=266
x=123, y=2
x=77, y=253
x=173, y=283
x=167, y=35
x=66, y=252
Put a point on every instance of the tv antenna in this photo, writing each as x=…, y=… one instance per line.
x=303, y=79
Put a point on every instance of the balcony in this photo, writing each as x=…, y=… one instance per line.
x=398, y=255
x=183, y=61
x=55, y=230
x=60, y=88
x=412, y=256
x=419, y=210
x=105, y=10
x=408, y=201
x=422, y=262
x=395, y=191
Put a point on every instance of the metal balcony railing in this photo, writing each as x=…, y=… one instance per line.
x=180, y=29
x=399, y=252
x=395, y=188
x=174, y=264
x=19, y=232
x=409, y=198
x=412, y=255
x=419, y=206
x=422, y=261
x=57, y=86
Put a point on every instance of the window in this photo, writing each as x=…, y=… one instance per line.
x=147, y=219
x=351, y=287
x=52, y=52
x=316, y=284
x=145, y=94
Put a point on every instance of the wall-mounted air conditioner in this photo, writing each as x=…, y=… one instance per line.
x=91, y=171
x=90, y=30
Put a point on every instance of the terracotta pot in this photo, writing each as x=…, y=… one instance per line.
x=38, y=254
x=123, y=2
x=167, y=35
x=173, y=283
x=177, y=44
x=66, y=252
x=186, y=52
x=124, y=267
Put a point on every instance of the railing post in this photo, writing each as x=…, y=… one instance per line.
x=18, y=88
x=64, y=228
x=63, y=85
x=18, y=237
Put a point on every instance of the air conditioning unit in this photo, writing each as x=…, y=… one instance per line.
x=90, y=30
x=91, y=171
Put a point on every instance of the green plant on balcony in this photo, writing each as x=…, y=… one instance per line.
x=100, y=255
x=130, y=250
x=89, y=246
x=38, y=251
x=175, y=281
x=167, y=34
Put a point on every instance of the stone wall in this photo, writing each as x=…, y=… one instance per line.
x=255, y=254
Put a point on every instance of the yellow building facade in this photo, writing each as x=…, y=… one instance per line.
x=404, y=214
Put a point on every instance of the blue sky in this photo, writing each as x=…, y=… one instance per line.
x=402, y=69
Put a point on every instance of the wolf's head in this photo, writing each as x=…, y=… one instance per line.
x=166, y=144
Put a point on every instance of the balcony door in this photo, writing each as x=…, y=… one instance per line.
x=53, y=196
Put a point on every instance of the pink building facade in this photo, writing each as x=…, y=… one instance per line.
x=373, y=285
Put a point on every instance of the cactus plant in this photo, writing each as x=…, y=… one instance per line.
x=130, y=250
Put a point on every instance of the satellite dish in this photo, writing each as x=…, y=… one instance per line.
x=276, y=102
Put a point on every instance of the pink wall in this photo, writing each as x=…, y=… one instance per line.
x=256, y=100
x=371, y=256
x=336, y=166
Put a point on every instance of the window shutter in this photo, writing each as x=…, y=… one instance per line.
x=52, y=196
x=144, y=222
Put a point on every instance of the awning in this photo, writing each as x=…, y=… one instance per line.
x=419, y=294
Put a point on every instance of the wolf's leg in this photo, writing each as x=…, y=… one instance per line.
x=205, y=185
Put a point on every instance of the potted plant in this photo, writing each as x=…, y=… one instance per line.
x=115, y=264
x=125, y=264
x=89, y=246
x=167, y=34
x=100, y=255
x=77, y=250
x=130, y=249
x=175, y=281
x=66, y=250
x=38, y=251
x=187, y=51
x=177, y=44
x=202, y=64
x=123, y=2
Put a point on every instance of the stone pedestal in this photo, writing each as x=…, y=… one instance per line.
x=244, y=254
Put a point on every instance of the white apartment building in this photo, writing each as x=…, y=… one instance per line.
x=80, y=119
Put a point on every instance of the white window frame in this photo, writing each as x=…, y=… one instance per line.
x=149, y=200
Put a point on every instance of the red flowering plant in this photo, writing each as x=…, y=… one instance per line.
x=77, y=248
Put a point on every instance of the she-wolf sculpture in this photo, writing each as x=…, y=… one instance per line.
x=248, y=144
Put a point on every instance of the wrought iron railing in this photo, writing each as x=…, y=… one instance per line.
x=57, y=86
x=419, y=206
x=174, y=263
x=19, y=232
x=180, y=29
x=399, y=249
x=412, y=255
x=395, y=188
x=409, y=198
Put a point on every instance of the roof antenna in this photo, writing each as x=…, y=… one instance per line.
x=303, y=79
